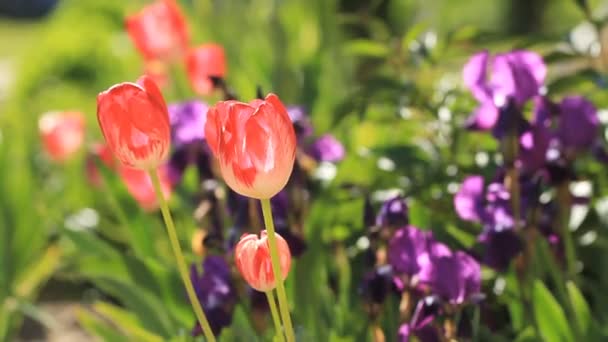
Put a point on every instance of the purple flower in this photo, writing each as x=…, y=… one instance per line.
x=533, y=147
x=215, y=291
x=326, y=149
x=301, y=122
x=420, y=324
x=578, y=123
x=516, y=75
x=501, y=246
x=377, y=283
x=187, y=122
x=393, y=212
x=469, y=200
x=456, y=277
x=411, y=252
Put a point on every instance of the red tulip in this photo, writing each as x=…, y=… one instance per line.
x=139, y=184
x=159, y=31
x=62, y=133
x=255, y=145
x=204, y=62
x=135, y=123
x=252, y=258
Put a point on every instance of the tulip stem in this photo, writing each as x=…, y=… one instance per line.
x=276, y=269
x=179, y=257
x=275, y=316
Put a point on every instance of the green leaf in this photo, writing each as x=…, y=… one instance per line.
x=527, y=335
x=366, y=48
x=552, y=323
x=126, y=321
x=580, y=307
x=97, y=327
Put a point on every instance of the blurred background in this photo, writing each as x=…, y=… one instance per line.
x=384, y=77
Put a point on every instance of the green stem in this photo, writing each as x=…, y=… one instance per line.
x=179, y=257
x=563, y=196
x=276, y=269
x=275, y=316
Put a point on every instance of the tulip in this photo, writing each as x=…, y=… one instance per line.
x=159, y=31
x=62, y=134
x=139, y=185
x=252, y=258
x=204, y=62
x=255, y=144
x=135, y=123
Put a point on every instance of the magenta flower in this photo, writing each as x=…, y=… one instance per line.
x=516, y=75
x=393, y=213
x=326, y=148
x=456, y=277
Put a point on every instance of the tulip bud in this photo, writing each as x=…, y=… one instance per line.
x=62, y=134
x=204, y=62
x=255, y=145
x=159, y=31
x=135, y=123
x=252, y=258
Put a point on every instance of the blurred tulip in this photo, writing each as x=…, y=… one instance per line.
x=204, y=62
x=135, y=123
x=62, y=134
x=198, y=242
x=255, y=144
x=139, y=185
x=159, y=31
x=103, y=153
x=252, y=258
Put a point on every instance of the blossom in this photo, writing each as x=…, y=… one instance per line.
x=252, y=258
x=204, y=62
x=468, y=201
x=420, y=323
x=135, y=123
x=326, y=149
x=62, y=133
x=254, y=143
x=187, y=122
x=456, y=277
x=516, y=75
x=100, y=152
x=411, y=252
x=139, y=185
x=578, y=123
x=393, y=212
x=215, y=292
x=159, y=31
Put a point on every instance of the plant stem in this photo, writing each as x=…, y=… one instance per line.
x=276, y=269
x=179, y=257
x=563, y=197
x=275, y=316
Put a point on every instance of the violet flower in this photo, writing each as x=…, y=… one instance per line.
x=216, y=293
x=516, y=75
x=456, y=277
x=326, y=149
x=411, y=251
x=393, y=213
x=187, y=135
x=492, y=208
x=420, y=324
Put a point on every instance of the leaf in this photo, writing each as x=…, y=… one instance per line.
x=97, y=327
x=126, y=321
x=549, y=315
x=149, y=310
x=366, y=48
x=580, y=307
x=527, y=335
